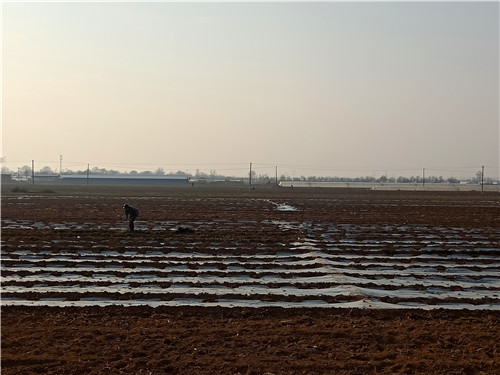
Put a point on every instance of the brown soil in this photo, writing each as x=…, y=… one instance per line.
x=214, y=340
x=192, y=340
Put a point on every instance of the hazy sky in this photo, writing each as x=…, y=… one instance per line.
x=313, y=88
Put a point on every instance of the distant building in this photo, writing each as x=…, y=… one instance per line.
x=122, y=179
x=6, y=177
x=46, y=178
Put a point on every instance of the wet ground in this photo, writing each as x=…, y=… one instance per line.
x=301, y=259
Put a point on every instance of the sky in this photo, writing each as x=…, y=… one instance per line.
x=330, y=88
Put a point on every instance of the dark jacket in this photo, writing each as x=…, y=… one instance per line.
x=131, y=211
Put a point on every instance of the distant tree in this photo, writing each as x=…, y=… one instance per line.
x=46, y=170
x=159, y=172
x=179, y=173
x=97, y=170
x=4, y=168
x=25, y=170
x=402, y=180
x=477, y=179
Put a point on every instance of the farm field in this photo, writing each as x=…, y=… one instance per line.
x=271, y=280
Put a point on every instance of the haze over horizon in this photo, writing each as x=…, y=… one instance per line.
x=325, y=89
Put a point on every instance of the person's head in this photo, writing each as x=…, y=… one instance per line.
x=125, y=205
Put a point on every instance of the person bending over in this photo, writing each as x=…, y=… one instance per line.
x=131, y=214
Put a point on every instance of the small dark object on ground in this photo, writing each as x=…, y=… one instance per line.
x=184, y=230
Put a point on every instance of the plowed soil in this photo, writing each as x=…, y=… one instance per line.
x=43, y=231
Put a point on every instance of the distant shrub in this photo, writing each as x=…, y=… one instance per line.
x=18, y=189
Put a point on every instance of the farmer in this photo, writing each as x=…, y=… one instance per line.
x=131, y=214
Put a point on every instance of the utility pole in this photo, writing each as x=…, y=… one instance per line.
x=33, y=172
x=482, y=179
x=423, y=177
x=250, y=176
x=276, y=175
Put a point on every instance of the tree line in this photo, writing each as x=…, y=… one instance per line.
x=26, y=172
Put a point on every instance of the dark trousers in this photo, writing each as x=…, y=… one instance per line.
x=131, y=223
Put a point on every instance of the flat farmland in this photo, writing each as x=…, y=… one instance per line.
x=238, y=269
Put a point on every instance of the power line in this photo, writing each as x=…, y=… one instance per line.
x=242, y=167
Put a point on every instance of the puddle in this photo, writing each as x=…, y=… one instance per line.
x=282, y=206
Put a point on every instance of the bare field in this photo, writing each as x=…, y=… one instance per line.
x=272, y=280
